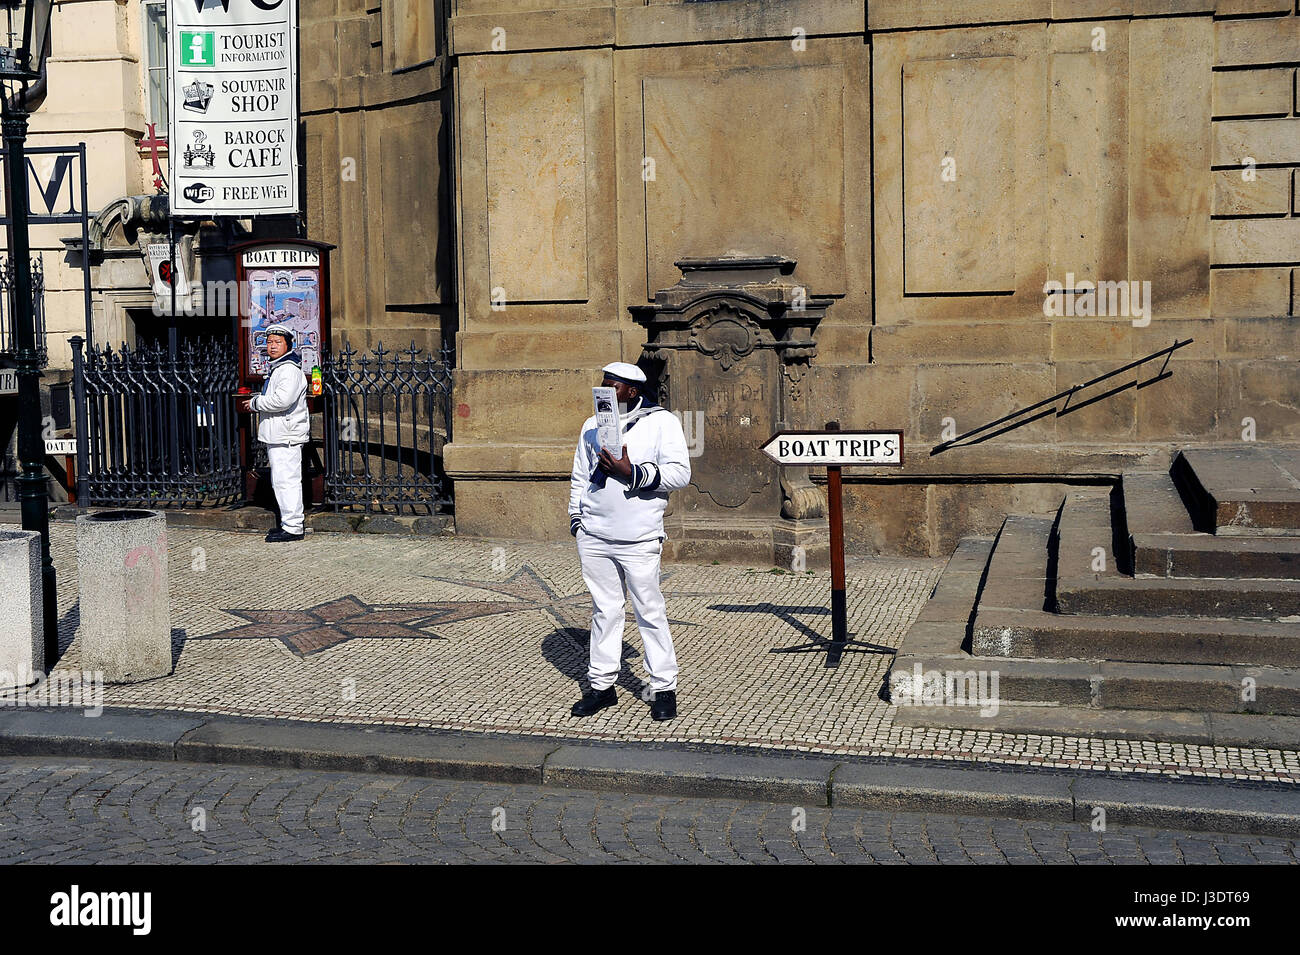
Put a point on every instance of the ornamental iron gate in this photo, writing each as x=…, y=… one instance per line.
x=158, y=431
x=387, y=417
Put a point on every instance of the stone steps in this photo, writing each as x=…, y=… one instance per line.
x=1085, y=537
x=1243, y=490
x=1037, y=634
x=1018, y=571
x=1168, y=609
x=1079, y=672
x=1206, y=555
x=1153, y=505
x=1164, y=542
x=1180, y=597
x=1096, y=684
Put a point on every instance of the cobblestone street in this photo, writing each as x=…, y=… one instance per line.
x=104, y=811
x=472, y=635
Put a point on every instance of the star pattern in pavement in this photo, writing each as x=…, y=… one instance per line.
x=326, y=625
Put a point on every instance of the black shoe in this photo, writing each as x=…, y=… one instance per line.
x=664, y=706
x=279, y=536
x=593, y=701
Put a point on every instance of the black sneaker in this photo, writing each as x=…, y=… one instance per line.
x=279, y=536
x=593, y=701
x=664, y=705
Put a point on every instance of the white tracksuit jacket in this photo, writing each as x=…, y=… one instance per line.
x=630, y=510
x=282, y=405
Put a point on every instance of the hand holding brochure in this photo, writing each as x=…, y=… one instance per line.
x=608, y=432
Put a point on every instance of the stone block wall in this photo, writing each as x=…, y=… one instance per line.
x=375, y=100
x=932, y=166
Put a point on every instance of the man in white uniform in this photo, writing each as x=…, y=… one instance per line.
x=616, y=511
x=284, y=427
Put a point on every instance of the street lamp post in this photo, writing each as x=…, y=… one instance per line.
x=21, y=61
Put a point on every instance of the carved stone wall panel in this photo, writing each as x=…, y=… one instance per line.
x=1170, y=109
x=739, y=413
x=730, y=344
x=537, y=190
x=971, y=244
x=773, y=144
x=535, y=186
x=377, y=165
x=741, y=163
x=414, y=193
x=413, y=31
x=959, y=175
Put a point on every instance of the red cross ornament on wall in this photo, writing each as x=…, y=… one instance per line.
x=152, y=142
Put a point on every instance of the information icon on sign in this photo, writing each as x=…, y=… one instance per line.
x=198, y=48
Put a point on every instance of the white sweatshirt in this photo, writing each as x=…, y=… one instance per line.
x=282, y=405
x=632, y=509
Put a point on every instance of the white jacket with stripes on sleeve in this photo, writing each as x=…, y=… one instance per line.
x=627, y=510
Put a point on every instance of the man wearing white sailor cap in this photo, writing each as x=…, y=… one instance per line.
x=284, y=426
x=616, y=512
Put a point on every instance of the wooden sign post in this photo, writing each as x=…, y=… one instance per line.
x=835, y=449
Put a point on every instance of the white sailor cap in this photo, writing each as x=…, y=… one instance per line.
x=280, y=329
x=625, y=372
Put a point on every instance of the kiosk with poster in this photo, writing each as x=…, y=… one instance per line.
x=284, y=281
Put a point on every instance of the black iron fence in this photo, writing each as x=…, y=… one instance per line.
x=387, y=417
x=164, y=432
x=7, y=310
x=158, y=431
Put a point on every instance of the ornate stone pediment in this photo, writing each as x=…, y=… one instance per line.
x=731, y=342
x=728, y=307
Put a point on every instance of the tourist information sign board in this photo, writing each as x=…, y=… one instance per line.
x=233, y=144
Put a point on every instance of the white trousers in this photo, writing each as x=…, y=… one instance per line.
x=286, y=481
x=608, y=567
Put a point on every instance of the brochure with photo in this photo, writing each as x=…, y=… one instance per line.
x=608, y=432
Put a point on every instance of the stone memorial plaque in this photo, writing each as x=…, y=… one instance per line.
x=732, y=409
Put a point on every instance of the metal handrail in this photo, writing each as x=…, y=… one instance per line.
x=1067, y=394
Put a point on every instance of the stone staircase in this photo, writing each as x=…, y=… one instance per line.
x=1167, y=608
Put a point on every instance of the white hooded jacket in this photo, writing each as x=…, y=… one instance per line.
x=282, y=405
x=615, y=509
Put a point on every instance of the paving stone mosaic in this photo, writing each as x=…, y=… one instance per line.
x=491, y=636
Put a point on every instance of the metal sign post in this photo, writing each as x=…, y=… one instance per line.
x=835, y=449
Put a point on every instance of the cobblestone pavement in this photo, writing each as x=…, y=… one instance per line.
x=106, y=811
x=491, y=637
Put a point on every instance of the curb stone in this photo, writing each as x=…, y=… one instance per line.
x=802, y=780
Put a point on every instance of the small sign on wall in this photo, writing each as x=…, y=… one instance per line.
x=163, y=270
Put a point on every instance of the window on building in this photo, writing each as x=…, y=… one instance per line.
x=155, y=61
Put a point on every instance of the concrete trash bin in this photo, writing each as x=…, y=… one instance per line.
x=125, y=616
x=22, y=614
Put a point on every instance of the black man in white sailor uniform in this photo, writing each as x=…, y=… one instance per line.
x=616, y=512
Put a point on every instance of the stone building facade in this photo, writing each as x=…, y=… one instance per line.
x=521, y=178
x=930, y=167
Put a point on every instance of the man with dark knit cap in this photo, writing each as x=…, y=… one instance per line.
x=616, y=512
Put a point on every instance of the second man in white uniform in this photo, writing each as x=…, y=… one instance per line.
x=284, y=427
